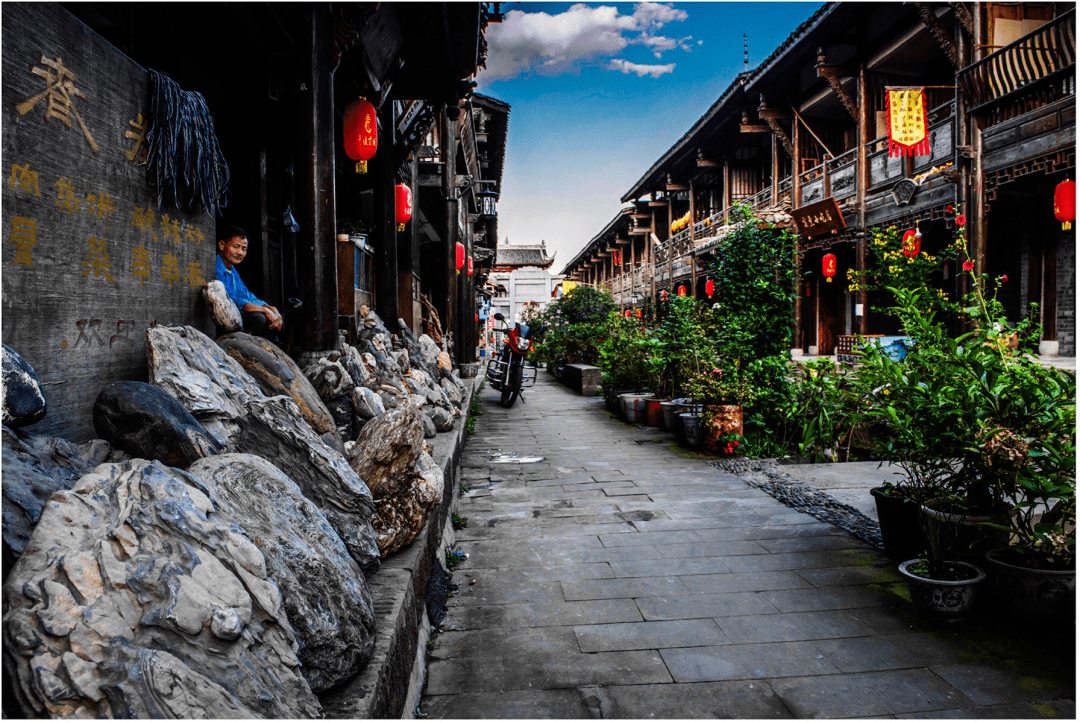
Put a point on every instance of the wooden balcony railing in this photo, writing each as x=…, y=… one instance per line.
x=1035, y=59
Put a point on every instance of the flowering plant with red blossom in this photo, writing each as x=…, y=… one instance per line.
x=961, y=220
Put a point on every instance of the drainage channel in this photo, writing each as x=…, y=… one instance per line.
x=804, y=498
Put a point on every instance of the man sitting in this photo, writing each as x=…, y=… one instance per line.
x=259, y=318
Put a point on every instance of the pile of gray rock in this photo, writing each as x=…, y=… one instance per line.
x=208, y=557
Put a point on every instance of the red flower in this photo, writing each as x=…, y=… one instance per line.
x=1004, y=278
x=969, y=265
x=961, y=220
x=949, y=208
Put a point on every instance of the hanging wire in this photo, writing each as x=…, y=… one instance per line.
x=184, y=157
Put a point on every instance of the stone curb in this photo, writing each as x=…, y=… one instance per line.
x=382, y=690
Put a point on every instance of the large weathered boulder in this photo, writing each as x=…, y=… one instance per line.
x=277, y=374
x=329, y=377
x=429, y=427
x=325, y=595
x=35, y=467
x=345, y=418
x=138, y=596
x=222, y=309
x=387, y=454
x=270, y=427
x=444, y=420
x=429, y=351
x=366, y=403
x=146, y=422
x=24, y=402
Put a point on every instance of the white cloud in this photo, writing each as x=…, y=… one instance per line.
x=555, y=44
x=642, y=70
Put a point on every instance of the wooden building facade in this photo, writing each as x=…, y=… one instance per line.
x=90, y=260
x=806, y=130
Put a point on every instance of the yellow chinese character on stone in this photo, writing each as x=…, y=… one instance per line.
x=59, y=93
x=170, y=228
x=25, y=178
x=139, y=125
x=140, y=266
x=100, y=206
x=65, y=195
x=97, y=260
x=170, y=269
x=193, y=233
x=193, y=275
x=143, y=219
x=24, y=236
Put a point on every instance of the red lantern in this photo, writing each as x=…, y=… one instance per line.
x=470, y=266
x=828, y=266
x=627, y=314
x=912, y=243
x=639, y=313
x=460, y=260
x=361, y=133
x=1065, y=203
x=710, y=288
x=663, y=295
x=402, y=205
x=616, y=258
x=682, y=291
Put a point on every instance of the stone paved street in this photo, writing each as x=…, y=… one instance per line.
x=623, y=577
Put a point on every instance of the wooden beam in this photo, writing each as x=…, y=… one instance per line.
x=658, y=204
x=772, y=119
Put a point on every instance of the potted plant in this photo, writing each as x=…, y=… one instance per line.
x=1034, y=577
x=722, y=398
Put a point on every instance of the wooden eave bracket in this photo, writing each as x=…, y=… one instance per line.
x=964, y=16
x=831, y=74
x=930, y=19
x=772, y=119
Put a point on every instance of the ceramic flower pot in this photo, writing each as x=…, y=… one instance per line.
x=898, y=518
x=670, y=411
x=612, y=400
x=1032, y=594
x=947, y=601
x=654, y=412
x=634, y=406
x=724, y=419
x=691, y=422
x=960, y=534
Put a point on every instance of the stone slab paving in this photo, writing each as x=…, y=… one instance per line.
x=624, y=577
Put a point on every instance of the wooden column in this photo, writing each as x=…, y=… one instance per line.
x=650, y=247
x=775, y=168
x=693, y=262
x=385, y=223
x=449, y=156
x=796, y=165
x=727, y=189
x=862, y=182
x=317, y=238
x=408, y=263
x=670, y=248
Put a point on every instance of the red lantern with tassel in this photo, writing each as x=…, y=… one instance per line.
x=663, y=295
x=361, y=133
x=912, y=243
x=710, y=288
x=470, y=266
x=402, y=205
x=459, y=261
x=828, y=266
x=682, y=291
x=639, y=313
x=1065, y=203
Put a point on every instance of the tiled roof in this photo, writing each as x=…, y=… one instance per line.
x=517, y=256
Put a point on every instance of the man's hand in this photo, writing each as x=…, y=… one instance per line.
x=273, y=316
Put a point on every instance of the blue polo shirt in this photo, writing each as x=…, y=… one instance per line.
x=234, y=287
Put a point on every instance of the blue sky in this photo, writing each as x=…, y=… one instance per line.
x=599, y=91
